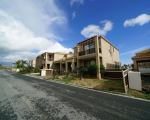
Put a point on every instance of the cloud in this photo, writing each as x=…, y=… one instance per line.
x=92, y=30
x=73, y=15
x=27, y=26
x=76, y=1
x=135, y=51
x=37, y=16
x=10, y=58
x=140, y=20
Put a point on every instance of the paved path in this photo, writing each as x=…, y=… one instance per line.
x=24, y=98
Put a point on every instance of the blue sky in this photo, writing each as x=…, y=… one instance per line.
x=28, y=28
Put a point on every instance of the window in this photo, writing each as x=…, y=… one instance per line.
x=89, y=62
x=145, y=64
x=86, y=47
x=49, y=56
x=86, y=63
x=116, y=64
x=92, y=45
x=89, y=46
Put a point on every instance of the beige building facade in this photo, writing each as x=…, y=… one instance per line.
x=46, y=60
x=95, y=50
x=142, y=59
x=32, y=62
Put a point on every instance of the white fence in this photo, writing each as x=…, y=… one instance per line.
x=134, y=79
x=144, y=70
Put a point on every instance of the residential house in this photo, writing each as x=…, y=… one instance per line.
x=32, y=62
x=95, y=50
x=46, y=60
x=142, y=59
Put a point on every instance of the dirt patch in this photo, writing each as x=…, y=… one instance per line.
x=146, y=83
x=139, y=94
x=103, y=84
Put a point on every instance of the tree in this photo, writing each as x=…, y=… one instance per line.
x=80, y=70
x=125, y=65
x=20, y=63
x=92, y=69
x=0, y=65
x=102, y=70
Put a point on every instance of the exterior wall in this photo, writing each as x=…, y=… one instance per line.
x=75, y=51
x=32, y=62
x=110, y=54
x=69, y=55
x=58, y=56
x=39, y=61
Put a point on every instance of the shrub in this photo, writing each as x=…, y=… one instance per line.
x=54, y=74
x=92, y=69
x=80, y=70
x=36, y=70
x=61, y=71
x=102, y=69
x=67, y=73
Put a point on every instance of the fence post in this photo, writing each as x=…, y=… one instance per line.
x=124, y=82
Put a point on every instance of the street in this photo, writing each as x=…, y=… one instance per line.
x=23, y=98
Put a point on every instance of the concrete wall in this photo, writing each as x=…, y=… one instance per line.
x=110, y=54
x=39, y=61
x=58, y=56
x=32, y=62
x=75, y=51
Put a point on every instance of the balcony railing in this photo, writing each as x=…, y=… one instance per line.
x=88, y=51
x=50, y=59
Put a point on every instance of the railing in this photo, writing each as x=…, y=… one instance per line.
x=88, y=51
x=50, y=59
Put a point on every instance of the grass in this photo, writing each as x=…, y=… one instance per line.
x=65, y=80
x=146, y=74
x=139, y=94
x=103, y=84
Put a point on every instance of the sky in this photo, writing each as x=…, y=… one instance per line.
x=30, y=27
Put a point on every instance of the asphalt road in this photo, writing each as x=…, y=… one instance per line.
x=26, y=98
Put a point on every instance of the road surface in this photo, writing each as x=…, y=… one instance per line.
x=24, y=98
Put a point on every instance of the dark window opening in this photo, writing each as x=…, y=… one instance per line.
x=89, y=62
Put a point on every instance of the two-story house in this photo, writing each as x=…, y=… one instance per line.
x=142, y=59
x=32, y=62
x=45, y=60
x=95, y=50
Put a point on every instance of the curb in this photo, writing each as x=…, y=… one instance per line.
x=89, y=88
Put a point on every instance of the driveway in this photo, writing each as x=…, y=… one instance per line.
x=23, y=97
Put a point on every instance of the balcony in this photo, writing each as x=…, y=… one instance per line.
x=88, y=51
x=50, y=59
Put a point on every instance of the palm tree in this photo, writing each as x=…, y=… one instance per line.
x=20, y=63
